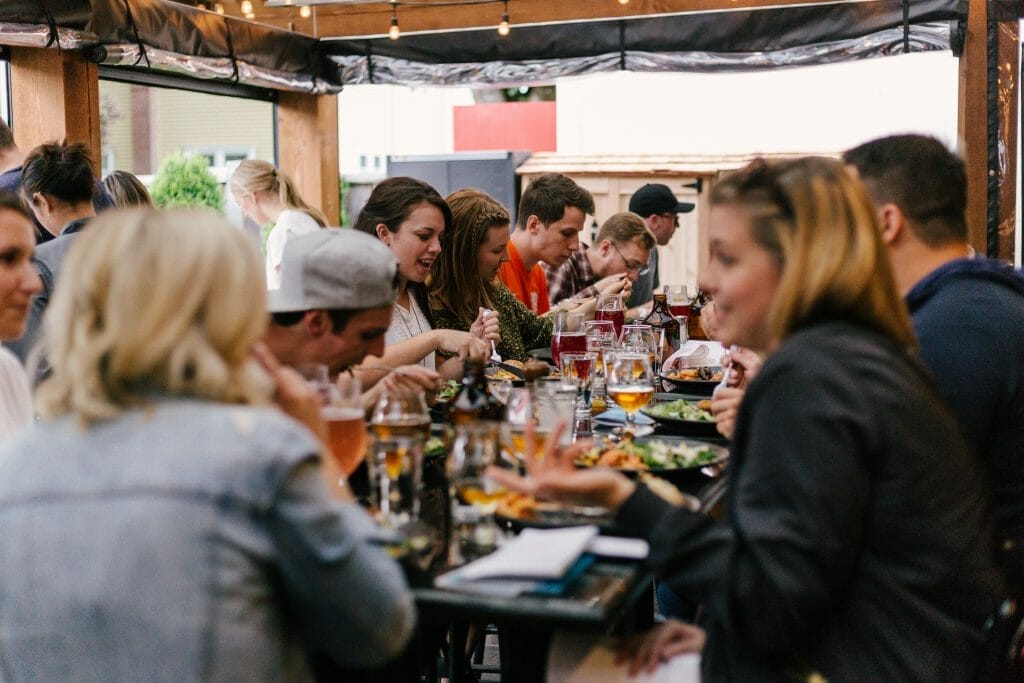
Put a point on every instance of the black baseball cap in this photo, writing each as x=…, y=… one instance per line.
x=657, y=198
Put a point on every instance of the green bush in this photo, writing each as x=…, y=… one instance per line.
x=186, y=181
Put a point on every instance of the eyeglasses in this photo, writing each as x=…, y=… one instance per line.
x=640, y=268
x=673, y=216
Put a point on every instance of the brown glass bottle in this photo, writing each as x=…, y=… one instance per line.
x=661, y=318
x=694, y=328
x=474, y=401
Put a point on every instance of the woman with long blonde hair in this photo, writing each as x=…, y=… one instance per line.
x=857, y=538
x=267, y=195
x=164, y=519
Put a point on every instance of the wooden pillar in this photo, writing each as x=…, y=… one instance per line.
x=307, y=144
x=972, y=122
x=55, y=96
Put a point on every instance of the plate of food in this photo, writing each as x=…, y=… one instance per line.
x=683, y=416
x=672, y=458
x=701, y=381
x=518, y=511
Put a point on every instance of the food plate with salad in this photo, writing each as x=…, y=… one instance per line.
x=677, y=460
x=701, y=381
x=683, y=416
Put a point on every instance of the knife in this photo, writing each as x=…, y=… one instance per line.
x=518, y=372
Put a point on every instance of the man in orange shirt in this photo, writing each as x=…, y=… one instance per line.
x=551, y=215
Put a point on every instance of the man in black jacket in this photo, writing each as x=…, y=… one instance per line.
x=968, y=312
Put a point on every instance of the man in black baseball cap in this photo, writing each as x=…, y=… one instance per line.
x=656, y=204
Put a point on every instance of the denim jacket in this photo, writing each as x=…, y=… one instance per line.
x=185, y=541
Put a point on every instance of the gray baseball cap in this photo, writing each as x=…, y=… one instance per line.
x=335, y=268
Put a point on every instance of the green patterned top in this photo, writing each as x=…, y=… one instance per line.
x=521, y=329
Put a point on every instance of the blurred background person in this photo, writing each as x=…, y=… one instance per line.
x=165, y=520
x=19, y=282
x=126, y=190
x=857, y=538
x=660, y=209
x=967, y=311
x=57, y=183
x=267, y=195
x=409, y=216
x=465, y=281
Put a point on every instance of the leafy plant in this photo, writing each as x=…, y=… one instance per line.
x=186, y=181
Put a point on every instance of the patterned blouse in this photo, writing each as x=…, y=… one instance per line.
x=521, y=330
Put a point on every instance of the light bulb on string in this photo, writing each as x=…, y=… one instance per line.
x=393, y=31
x=305, y=12
x=218, y=8
x=503, y=27
x=623, y=2
x=246, y=7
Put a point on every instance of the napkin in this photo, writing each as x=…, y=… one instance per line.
x=695, y=354
x=590, y=658
x=536, y=555
x=617, y=416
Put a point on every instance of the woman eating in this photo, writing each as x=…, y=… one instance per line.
x=465, y=287
x=410, y=217
x=856, y=544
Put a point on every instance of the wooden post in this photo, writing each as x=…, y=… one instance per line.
x=307, y=143
x=55, y=96
x=972, y=122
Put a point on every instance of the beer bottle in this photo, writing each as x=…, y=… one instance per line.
x=474, y=401
x=661, y=320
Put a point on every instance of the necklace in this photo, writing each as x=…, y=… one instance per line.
x=405, y=320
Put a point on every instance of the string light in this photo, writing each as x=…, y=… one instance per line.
x=305, y=12
x=503, y=27
x=218, y=8
x=394, y=32
x=288, y=3
x=246, y=7
x=623, y=2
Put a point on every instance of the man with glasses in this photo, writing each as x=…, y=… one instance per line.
x=618, y=257
x=656, y=204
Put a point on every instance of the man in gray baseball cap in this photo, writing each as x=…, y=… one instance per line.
x=334, y=305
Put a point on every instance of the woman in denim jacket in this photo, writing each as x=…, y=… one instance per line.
x=165, y=521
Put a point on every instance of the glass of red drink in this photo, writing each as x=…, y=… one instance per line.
x=611, y=307
x=567, y=335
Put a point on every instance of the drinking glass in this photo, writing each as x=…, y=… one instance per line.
x=316, y=375
x=601, y=340
x=642, y=339
x=555, y=402
x=679, y=300
x=612, y=307
x=474, y=497
x=520, y=413
x=567, y=335
x=580, y=367
x=400, y=425
x=346, y=424
x=630, y=384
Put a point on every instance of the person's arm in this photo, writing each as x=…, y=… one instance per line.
x=534, y=330
x=351, y=598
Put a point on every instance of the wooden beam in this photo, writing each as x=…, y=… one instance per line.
x=373, y=18
x=972, y=122
x=1008, y=87
x=55, y=96
x=307, y=139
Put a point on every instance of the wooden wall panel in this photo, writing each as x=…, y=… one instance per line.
x=308, y=148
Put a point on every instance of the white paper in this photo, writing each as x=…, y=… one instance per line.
x=587, y=658
x=536, y=554
x=615, y=546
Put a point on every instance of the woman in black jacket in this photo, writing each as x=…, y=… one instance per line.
x=857, y=540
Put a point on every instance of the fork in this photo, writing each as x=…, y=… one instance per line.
x=495, y=356
x=731, y=376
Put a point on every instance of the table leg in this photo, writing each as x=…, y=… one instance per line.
x=524, y=653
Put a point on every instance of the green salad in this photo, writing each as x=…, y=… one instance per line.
x=653, y=455
x=434, y=446
x=680, y=410
x=448, y=391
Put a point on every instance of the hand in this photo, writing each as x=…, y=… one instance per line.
x=486, y=326
x=725, y=405
x=452, y=342
x=554, y=476
x=660, y=644
x=412, y=378
x=614, y=284
x=293, y=394
x=744, y=363
x=476, y=349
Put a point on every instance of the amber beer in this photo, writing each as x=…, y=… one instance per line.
x=631, y=399
x=395, y=432
x=346, y=436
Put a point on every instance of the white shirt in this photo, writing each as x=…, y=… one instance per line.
x=289, y=224
x=406, y=324
x=15, y=395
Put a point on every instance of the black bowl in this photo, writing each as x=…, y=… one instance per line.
x=700, y=387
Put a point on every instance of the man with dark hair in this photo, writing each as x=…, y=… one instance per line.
x=615, y=261
x=11, y=160
x=656, y=204
x=551, y=214
x=334, y=305
x=968, y=313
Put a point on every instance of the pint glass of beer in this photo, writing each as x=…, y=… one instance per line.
x=346, y=425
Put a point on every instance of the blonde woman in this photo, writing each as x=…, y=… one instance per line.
x=857, y=541
x=126, y=190
x=266, y=195
x=165, y=520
